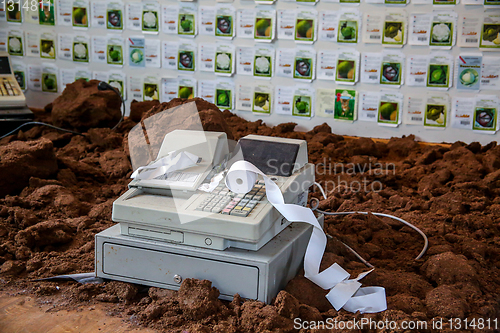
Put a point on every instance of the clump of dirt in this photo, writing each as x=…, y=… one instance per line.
x=82, y=106
x=66, y=186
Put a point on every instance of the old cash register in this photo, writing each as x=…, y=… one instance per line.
x=179, y=220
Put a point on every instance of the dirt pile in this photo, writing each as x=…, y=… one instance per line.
x=82, y=106
x=19, y=161
x=452, y=193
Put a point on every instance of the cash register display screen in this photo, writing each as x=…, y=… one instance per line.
x=4, y=66
x=272, y=158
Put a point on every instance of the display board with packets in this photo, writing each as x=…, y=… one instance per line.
x=346, y=60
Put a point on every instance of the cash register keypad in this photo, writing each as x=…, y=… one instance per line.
x=8, y=87
x=223, y=201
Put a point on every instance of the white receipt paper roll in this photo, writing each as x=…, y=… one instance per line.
x=241, y=181
x=344, y=292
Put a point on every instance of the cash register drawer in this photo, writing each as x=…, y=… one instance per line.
x=166, y=269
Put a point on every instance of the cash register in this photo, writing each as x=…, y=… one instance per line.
x=13, y=110
x=186, y=223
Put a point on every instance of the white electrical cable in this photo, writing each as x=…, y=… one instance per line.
x=426, y=241
x=321, y=189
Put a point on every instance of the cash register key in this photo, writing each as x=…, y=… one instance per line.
x=240, y=213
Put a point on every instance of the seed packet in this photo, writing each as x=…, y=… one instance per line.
x=469, y=71
x=49, y=78
x=186, y=57
x=262, y=99
x=186, y=88
x=48, y=45
x=80, y=14
x=136, y=51
x=303, y=101
x=305, y=26
x=304, y=64
x=14, y=11
x=115, y=15
x=46, y=13
x=151, y=88
x=224, y=59
x=390, y=107
x=151, y=17
x=486, y=114
x=224, y=94
x=81, y=50
x=15, y=43
x=225, y=21
x=263, y=62
x=345, y=105
x=490, y=32
x=114, y=51
x=436, y=111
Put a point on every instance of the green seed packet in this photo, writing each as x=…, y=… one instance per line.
x=304, y=30
x=186, y=24
x=49, y=82
x=347, y=32
x=444, y=2
x=302, y=106
x=490, y=36
x=185, y=91
x=80, y=17
x=345, y=71
x=393, y=33
x=263, y=28
x=150, y=91
x=114, y=54
x=345, y=105
x=46, y=13
x=261, y=102
x=388, y=112
x=21, y=79
x=435, y=115
x=224, y=99
x=438, y=76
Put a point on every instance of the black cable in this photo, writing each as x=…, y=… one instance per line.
x=106, y=86
x=101, y=86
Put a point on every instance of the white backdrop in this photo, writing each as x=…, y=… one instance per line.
x=358, y=128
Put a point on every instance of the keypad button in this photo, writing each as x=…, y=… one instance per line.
x=258, y=197
x=216, y=209
x=239, y=213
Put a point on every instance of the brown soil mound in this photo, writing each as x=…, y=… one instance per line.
x=82, y=106
x=48, y=223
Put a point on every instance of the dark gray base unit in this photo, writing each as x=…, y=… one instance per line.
x=252, y=274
